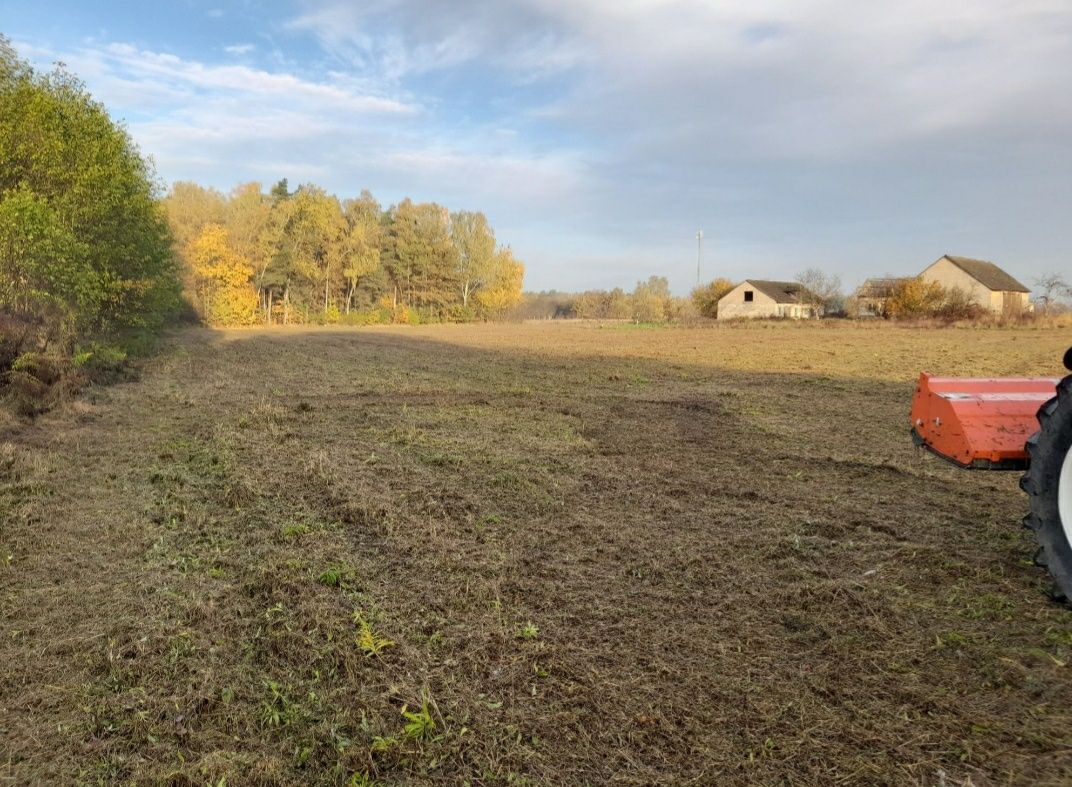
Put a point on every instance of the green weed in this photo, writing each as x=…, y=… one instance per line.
x=419, y=723
x=1059, y=637
x=988, y=606
x=278, y=710
x=528, y=630
x=368, y=640
x=954, y=640
x=332, y=577
x=382, y=743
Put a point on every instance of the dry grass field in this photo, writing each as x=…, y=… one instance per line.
x=526, y=554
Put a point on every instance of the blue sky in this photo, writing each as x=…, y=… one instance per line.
x=863, y=138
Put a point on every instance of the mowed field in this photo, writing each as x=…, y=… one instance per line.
x=571, y=554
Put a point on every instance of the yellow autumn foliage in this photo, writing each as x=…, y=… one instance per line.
x=504, y=290
x=915, y=298
x=223, y=279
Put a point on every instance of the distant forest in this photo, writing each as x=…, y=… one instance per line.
x=307, y=256
x=650, y=301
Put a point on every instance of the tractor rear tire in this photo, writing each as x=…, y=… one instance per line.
x=1048, y=483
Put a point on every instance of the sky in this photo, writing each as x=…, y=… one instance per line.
x=863, y=138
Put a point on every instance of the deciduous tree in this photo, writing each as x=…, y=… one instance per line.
x=474, y=243
x=223, y=279
x=915, y=298
x=1053, y=290
x=651, y=299
x=361, y=242
x=822, y=290
x=502, y=289
x=707, y=296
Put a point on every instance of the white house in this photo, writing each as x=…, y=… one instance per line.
x=758, y=298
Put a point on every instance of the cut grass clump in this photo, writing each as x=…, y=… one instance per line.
x=294, y=531
x=36, y=383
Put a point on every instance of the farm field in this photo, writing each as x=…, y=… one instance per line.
x=526, y=554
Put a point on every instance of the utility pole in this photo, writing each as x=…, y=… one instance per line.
x=699, y=254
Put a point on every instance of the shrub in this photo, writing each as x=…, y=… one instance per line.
x=404, y=315
x=958, y=305
x=706, y=296
x=915, y=298
x=459, y=313
x=36, y=382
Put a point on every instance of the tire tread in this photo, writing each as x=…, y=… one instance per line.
x=1047, y=449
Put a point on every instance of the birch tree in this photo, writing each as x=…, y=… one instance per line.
x=474, y=242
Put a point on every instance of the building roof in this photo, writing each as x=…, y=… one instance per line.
x=780, y=291
x=879, y=288
x=987, y=274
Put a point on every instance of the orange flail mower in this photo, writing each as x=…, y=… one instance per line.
x=1011, y=423
x=980, y=423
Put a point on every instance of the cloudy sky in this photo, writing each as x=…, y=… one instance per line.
x=599, y=135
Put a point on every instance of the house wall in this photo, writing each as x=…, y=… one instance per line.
x=797, y=311
x=732, y=305
x=949, y=275
x=1011, y=302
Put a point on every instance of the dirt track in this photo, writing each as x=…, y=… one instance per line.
x=602, y=555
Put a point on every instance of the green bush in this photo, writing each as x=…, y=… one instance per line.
x=85, y=247
x=366, y=317
x=458, y=313
x=102, y=362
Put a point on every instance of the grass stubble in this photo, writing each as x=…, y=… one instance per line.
x=525, y=554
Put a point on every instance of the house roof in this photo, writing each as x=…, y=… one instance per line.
x=987, y=274
x=780, y=291
x=878, y=288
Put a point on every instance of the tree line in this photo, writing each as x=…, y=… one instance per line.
x=905, y=299
x=285, y=256
x=649, y=301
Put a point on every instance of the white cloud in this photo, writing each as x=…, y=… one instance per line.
x=483, y=178
x=770, y=78
x=397, y=39
x=239, y=49
x=239, y=79
x=223, y=123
